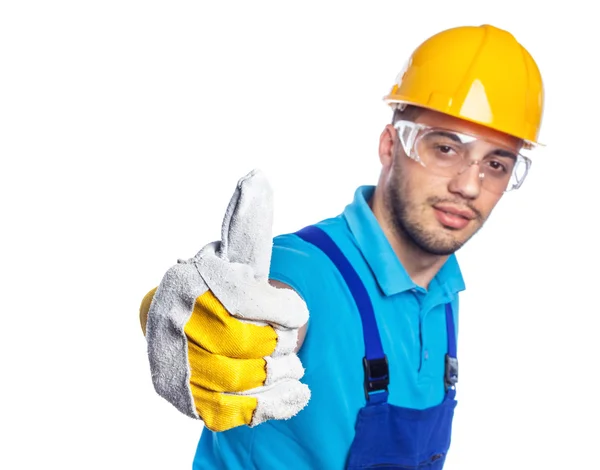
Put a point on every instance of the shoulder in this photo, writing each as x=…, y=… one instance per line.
x=300, y=264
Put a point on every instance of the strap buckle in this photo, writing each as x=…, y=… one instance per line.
x=451, y=372
x=377, y=375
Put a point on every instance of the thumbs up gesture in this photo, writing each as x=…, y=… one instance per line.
x=221, y=339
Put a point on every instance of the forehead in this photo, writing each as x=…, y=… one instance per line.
x=436, y=119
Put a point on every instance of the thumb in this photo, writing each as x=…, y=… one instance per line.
x=246, y=235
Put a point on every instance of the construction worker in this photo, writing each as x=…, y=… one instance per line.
x=334, y=347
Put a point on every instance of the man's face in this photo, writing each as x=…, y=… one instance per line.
x=439, y=214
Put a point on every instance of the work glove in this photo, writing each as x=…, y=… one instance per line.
x=220, y=338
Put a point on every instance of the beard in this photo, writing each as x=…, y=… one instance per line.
x=404, y=213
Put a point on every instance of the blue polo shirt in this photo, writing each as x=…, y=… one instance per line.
x=411, y=322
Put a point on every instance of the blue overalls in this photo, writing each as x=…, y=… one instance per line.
x=389, y=436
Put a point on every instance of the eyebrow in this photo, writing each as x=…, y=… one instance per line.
x=505, y=153
x=455, y=138
x=450, y=135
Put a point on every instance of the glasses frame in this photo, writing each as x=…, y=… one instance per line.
x=418, y=130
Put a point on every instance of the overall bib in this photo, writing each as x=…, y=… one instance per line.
x=389, y=436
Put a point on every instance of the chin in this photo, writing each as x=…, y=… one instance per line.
x=455, y=239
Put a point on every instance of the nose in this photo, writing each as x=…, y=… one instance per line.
x=467, y=182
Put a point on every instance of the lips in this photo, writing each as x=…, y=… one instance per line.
x=453, y=217
x=464, y=213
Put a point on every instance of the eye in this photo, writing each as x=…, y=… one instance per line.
x=445, y=149
x=497, y=167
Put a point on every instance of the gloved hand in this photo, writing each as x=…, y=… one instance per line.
x=220, y=338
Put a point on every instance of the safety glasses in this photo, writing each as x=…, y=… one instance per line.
x=448, y=153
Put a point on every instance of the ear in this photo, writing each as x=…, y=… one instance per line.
x=387, y=145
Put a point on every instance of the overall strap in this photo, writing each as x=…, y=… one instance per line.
x=375, y=361
x=451, y=372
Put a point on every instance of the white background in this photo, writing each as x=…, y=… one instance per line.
x=124, y=127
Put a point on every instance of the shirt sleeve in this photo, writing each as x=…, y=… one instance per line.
x=291, y=261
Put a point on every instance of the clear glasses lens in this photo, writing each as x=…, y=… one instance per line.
x=447, y=153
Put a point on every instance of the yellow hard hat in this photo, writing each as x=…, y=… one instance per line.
x=477, y=73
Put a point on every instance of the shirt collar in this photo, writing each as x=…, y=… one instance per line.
x=381, y=258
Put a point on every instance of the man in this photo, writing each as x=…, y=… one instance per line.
x=335, y=347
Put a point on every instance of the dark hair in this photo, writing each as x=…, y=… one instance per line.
x=406, y=113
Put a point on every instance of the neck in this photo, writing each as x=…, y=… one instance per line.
x=420, y=265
